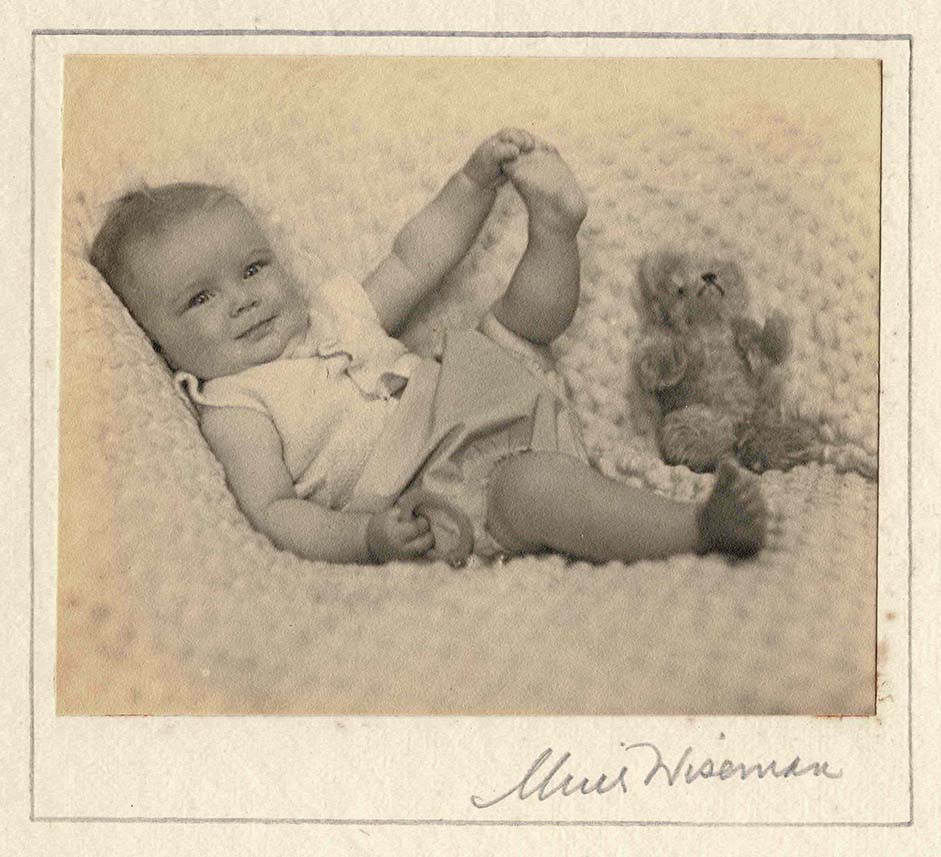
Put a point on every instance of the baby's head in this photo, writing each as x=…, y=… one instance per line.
x=197, y=273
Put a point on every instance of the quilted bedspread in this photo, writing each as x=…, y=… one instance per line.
x=169, y=602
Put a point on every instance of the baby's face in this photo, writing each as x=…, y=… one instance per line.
x=211, y=293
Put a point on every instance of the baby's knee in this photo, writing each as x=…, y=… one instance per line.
x=505, y=493
x=518, y=489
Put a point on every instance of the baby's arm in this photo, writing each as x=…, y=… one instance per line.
x=249, y=449
x=439, y=236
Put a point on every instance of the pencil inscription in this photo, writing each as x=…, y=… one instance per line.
x=550, y=774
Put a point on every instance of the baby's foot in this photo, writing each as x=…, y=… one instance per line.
x=734, y=519
x=550, y=190
x=486, y=165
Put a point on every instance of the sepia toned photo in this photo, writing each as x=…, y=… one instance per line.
x=468, y=386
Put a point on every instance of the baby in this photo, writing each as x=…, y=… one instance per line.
x=342, y=446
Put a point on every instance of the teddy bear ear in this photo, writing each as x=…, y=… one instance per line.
x=734, y=271
x=656, y=269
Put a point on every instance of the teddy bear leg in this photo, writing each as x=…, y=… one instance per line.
x=774, y=443
x=696, y=436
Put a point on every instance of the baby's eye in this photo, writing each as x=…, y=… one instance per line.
x=253, y=269
x=198, y=299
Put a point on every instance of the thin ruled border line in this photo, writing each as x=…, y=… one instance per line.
x=472, y=822
x=470, y=34
x=32, y=422
x=485, y=34
x=911, y=292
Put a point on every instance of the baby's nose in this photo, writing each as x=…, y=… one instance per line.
x=242, y=300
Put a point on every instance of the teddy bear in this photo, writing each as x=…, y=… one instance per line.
x=714, y=371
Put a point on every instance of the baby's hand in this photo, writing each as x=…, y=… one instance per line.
x=393, y=534
x=485, y=167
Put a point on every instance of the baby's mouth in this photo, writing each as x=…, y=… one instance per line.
x=258, y=330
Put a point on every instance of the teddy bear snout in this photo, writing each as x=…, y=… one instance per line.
x=711, y=279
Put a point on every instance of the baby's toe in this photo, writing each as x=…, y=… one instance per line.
x=506, y=151
x=750, y=494
x=517, y=136
x=757, y=510
x=726, y=476
x=760, y=520
x=747, y=485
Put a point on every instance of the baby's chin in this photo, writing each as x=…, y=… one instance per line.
x=280, y=343
x=267, y=351
x=294, y=333
x=287, y=333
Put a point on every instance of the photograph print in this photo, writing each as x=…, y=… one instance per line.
x=468, y=386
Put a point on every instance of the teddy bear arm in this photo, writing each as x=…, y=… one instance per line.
x=747, y=333
x=776, y=338
x=661, y=364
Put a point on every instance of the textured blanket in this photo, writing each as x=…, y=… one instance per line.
x=170, y=602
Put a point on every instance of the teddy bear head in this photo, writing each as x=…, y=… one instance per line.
x=684, y=292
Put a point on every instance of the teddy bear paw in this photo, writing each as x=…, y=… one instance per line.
x=662, y=366
x=696, y=436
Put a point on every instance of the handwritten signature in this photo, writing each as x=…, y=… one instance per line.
x=548, y=774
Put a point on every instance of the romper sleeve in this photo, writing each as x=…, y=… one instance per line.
x=348, y=301
x=217, y=393
x=380, y=365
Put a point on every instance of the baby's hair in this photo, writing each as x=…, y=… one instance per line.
x=142, y=212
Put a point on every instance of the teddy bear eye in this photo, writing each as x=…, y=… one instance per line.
x=681, y=291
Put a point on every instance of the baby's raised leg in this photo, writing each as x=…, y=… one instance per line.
x=543, y=292
x=550, y=501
